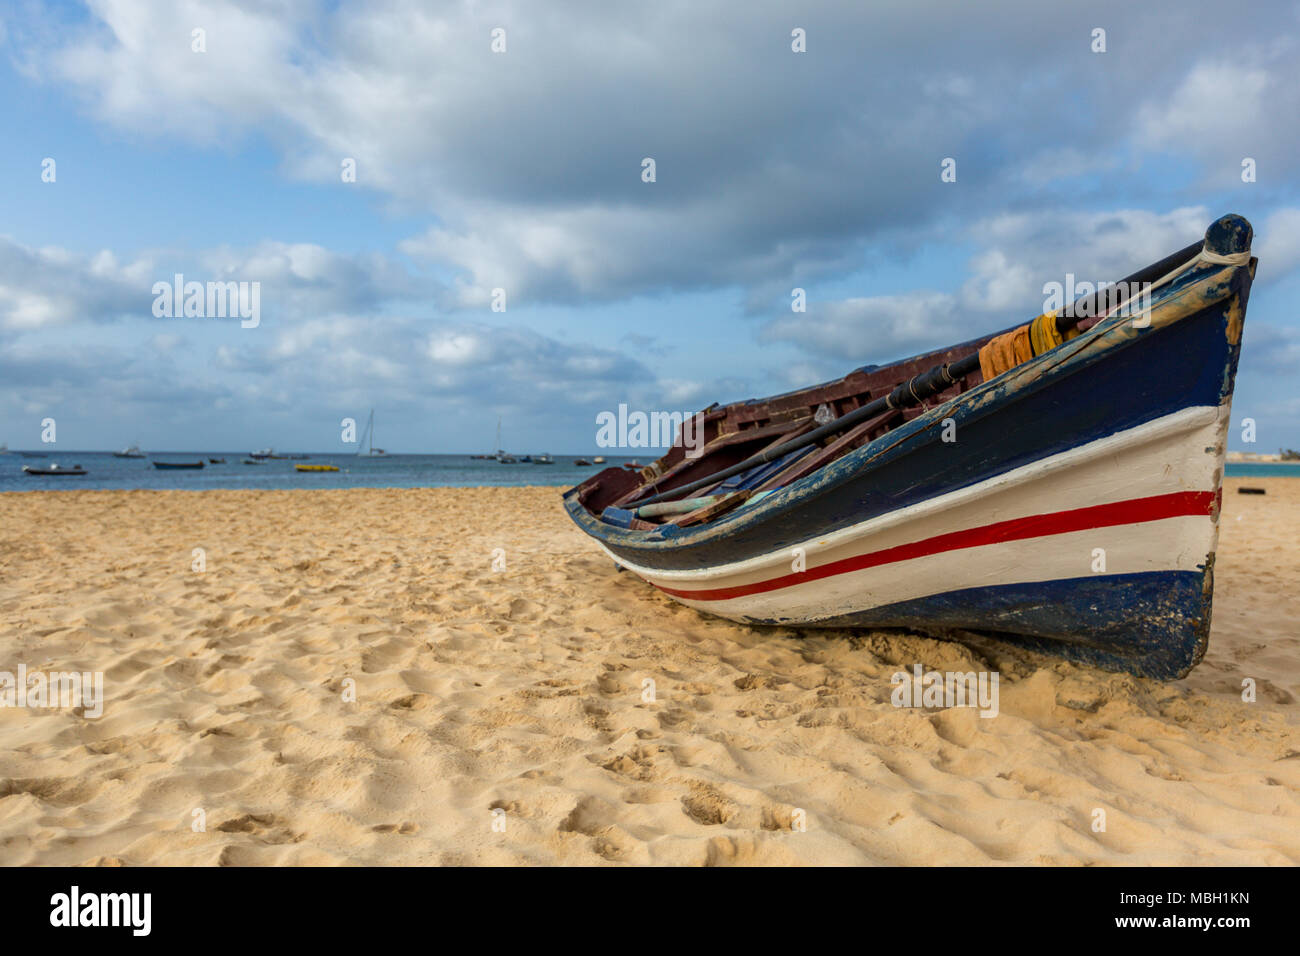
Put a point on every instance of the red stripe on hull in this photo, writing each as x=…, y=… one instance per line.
x=1135, y=511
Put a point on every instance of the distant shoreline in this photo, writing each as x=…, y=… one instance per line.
x=1253, y=457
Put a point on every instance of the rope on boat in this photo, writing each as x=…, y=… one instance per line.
x=1205, y=255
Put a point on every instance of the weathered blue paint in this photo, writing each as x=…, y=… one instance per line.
x=1229, y=234
x=760, y=473
x=618, y=517
x=1154, y=624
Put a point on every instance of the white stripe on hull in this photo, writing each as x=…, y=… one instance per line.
x=1180, y=542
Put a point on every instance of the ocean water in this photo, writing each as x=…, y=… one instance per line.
x=391, y=471
x=1262, y=469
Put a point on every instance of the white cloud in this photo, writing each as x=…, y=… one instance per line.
x=871, y=328
x=1018, y=254
x=53, y=286
x=1230, y=106
x=1277, y=244
x=1215, y=100
x=456, y=348
x=771, y=165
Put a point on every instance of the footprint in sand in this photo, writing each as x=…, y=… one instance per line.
x=593, y=818
x=707, y=805
x=403, y=828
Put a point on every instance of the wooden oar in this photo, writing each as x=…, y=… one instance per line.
x=910, y=393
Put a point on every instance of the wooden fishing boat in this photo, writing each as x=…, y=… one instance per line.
x=316, y=467
x=176, y=465
x=216, y=461
x=54, y=471
x=1056, y=484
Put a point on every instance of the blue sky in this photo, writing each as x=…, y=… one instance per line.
x=522, y=170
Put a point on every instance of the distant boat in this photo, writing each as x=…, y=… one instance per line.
x=253, y=461
x=4, y=450
x=543, y=460
x=632, y=465
x=268, y=454
x=526, y=459
x=371, y=451
x=54, y=471
x=316, y=467
x=598, y=460
x=130, y=451
x=216, y=461
x=503, y=456
x=581, y=462
x=172, y=465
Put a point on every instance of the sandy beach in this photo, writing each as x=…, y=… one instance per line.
x=497, y=661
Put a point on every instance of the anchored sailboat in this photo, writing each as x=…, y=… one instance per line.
x=370, y=450
x=501, y=454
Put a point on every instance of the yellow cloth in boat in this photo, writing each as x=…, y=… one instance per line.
x=1006, y=351
x=1044, y=335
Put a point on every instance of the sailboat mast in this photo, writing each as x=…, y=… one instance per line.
x=366, y=436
